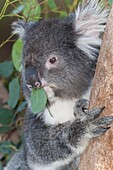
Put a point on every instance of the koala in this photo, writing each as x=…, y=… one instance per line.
x=60, y=55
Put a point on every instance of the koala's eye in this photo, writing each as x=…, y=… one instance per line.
x=52, y=60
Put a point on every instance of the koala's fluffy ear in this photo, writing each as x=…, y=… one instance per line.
x=19, y=27
x=90, y=20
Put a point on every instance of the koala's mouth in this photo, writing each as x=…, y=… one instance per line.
x=36, y=86
x=49, y=88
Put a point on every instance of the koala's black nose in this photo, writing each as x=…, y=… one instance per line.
x=32, y=77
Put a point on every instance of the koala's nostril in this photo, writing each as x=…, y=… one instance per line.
x=35, y=85
x=38, y=85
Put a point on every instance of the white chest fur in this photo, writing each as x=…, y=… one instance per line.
x=60, y=111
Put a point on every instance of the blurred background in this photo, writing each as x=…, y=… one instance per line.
x=12, y=103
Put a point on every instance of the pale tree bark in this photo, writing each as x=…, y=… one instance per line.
x=99, y=154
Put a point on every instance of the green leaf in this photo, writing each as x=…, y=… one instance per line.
x=63, y=14
x=18, y=9
x=4, y=129
x=110, y=2
x=38, y=100
x=17, y=55
x=6, y=68
x=32, y=10
x=52, y=5
x=1, y=168
x=14, y=92
x=67, y=3
x=7, y=148
x=35, y=13
x=26, y=10
x=6, y=116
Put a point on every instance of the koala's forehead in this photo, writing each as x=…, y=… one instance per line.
x=48, y=35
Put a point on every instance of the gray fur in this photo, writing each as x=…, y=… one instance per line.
x=59, y=146
x=44, y=145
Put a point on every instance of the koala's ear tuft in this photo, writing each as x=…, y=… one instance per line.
x=89, y=24
x=19, y=27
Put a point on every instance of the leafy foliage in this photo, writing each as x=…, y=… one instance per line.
x=12, y=112
x=14, y=92
x=17, y=55
x=32, y=10
x=6, y=68
x=110, y=2
x=4, y=146
x=38, y=100
x=52, y=5
x=1, y=166
x=6, y=116
x=4, y=129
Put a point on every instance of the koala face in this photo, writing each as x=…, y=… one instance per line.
x=51, y=59
x=60, y=54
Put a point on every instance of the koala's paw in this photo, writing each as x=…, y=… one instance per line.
x=94, y=126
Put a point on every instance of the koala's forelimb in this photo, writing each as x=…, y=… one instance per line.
x=60, y=144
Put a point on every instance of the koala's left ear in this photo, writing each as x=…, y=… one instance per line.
x=19, y=27
x=89, y=23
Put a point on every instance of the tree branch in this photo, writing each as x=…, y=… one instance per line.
x=99, y=154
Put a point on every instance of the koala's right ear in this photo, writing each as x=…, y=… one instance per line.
x=19, y=27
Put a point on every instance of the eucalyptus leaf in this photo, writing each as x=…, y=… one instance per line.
x=6, y=68
x=1, y=168
x=6, y=147
x=6, y=116
x=63, y=14
x=52, y=5
x=35, y=13
x=26, y=10
x=38, y=100
x=32, y=10
x=4, y=129
x=17, y=54
x=67, y=3
x=18, y=9
x=14, y=92
x=110, y=2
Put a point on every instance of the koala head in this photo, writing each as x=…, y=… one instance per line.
x=60, y=54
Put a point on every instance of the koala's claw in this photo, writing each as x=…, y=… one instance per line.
x=94, y=126
x=104, y=121
x=99, y=131
x=95, y=113
x=99, y=126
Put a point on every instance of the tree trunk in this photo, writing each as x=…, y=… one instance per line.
x=99, y=154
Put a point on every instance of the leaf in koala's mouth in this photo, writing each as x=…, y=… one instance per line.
x=38, y=100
